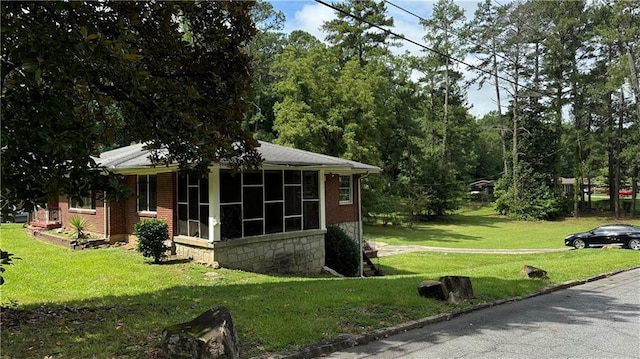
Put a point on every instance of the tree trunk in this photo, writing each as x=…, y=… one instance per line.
x=503, y=129
x=618, y=162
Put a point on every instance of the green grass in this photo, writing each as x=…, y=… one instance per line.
x=484, y=229
x=107, y=303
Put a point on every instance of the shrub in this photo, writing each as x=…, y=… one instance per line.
x=341, y=252
x=5, y=259
x=152, y=233
x=79, y=227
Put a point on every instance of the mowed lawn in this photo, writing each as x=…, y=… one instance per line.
x=109, y=303
x=484, y=229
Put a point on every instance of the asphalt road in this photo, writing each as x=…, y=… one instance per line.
x=600, y=319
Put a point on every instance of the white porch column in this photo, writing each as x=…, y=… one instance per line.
x=214, y=204
x=322, y=184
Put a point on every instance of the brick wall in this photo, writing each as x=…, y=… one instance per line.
x=166, y=199
x=337, y=213
x=95, y=217
x=124, y=214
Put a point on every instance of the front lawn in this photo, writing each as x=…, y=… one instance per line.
x=107, y=303
x=484, y=229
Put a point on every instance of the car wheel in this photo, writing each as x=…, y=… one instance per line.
x=578, y=244
x=634, y=244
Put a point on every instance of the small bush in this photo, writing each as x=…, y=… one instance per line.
x=341, y=252
x=152, y=234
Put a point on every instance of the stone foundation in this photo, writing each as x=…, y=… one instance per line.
x=197, y=249
x=294, y=252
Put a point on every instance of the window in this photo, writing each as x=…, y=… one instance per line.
x=193, y=206
x=265, y=202
x=147, y=193
x=85, y=202
x=346, y=190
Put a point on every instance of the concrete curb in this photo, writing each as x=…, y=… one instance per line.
x=346, y=341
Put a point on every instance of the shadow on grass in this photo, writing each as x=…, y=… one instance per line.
x=269, y=317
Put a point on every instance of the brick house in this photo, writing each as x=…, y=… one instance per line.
x=271, y=220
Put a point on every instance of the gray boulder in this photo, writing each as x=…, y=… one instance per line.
x=209, y=336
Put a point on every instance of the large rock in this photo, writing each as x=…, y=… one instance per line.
x=456, y=288
x=431, y=289
x=209, y=336
x=533, y=272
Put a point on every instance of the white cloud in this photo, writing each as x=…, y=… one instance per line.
x=310, y=18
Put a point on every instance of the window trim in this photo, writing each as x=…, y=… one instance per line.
x=340, y=188
x=146, y=210
x=84, y=209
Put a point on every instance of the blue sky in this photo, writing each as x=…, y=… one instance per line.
x=309, y=15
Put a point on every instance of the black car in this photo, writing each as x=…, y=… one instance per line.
x=624, y=234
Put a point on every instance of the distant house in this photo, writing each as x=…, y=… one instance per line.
x=484, y=187
x=568, y=185
x=269, y=220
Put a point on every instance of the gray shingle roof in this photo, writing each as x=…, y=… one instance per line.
x=134, y=156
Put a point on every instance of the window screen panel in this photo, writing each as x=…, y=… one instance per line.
x=231, y=221
x=273, y=217
x=252, y=178
x=230, y=187
x=292, y=177
x=204, y=221
x=252, y=202
x=273, y=185
x=293, y=224
x=182, y=188
x=310, y=185
x=311, y=215
x=252, y=228
x=292, y=200
x=183, y=228
x=193, y=203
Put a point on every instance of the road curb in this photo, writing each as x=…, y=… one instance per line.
x=346, y=341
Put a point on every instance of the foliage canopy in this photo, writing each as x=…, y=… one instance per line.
x=78, y=77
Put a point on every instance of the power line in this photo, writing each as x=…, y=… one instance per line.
x=423, y=19
x=402, y=37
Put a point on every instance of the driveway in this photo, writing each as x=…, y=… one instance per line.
x=385, y=249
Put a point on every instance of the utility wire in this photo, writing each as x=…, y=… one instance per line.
x=481, y=46
x=423, y=46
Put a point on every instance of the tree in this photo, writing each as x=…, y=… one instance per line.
x=444, y=35
x=173, y=75
x=353, y=36
x=489, y=147
x=486, y=38
x=266, y=44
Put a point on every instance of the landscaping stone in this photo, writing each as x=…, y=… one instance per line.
x=209, y=336
x=456, y=289
x=431, y=289
x=533, y=272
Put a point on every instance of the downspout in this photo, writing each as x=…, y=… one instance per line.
x=105, y=207
x=360, y=233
